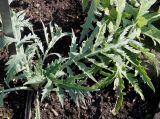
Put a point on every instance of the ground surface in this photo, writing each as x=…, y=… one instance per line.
x=68, y=14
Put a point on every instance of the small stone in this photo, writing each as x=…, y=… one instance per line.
x=37, y=5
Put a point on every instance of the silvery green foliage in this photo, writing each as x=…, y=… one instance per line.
x=116, y=39
x=19, y=61
x=24, y=65
x=88, y=25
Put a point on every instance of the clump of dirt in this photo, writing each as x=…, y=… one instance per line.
x=3, y=54
x=3, y=59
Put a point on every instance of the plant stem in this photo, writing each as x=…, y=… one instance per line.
x=16, y=89
x=28, y=105
x=37, y=107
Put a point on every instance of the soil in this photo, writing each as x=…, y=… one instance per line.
x=100, y=106
x=68, y=14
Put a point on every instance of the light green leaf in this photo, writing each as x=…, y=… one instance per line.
x=100, y=35
x=104, y=82
x=110, y=27
x=145, y=77
x=26, y=39
x=52, y=69
x=99, y=64
x=89, y=20
x=68, y=86
x=86, y=70
x=5, y=41
x=134, y=83
x=151, y=17
x=15, y=65
x=30, y=52
x=35, y=79
x=73, y=47
x=119, y=101
x=152, y=58
x=120, y=8
x=86, y=46
x=47, y=89
x=152, y=32
x=45, y=32
x=60, y=94
x=73, y=95
x=131, y=49
x=144, y=7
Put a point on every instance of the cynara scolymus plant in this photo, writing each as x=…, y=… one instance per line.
x=28, y=64
x=116, y=39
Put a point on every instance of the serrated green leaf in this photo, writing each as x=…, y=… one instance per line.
x=104, y=82
x=47, y=89
x=99, y=64
x=73, y=95
x=68, y=86
x=100, y=35
x=134, y=83
x=14, y=65
x=120, y=8
x=86, y=70
x=55, y=39
x=56, y=35
x=151, y=17
x=145, y=77
x=60, y=94
x=5, y=41
x=40, y=45
x=140, y=69
x=19, y=22
x=30, y=52
x=122, y=36
x=131, y=57
x=152, y=32
x=131, y=49
x=89, y=20
x=52, y=69
x=144, y=7
x=110, y=27
x=45, y=32
x=74, y=78
x=35, y=79
x=73, y=47
x=119, y=101
x=152, y=58
x=26, y=39
x=86, y=46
